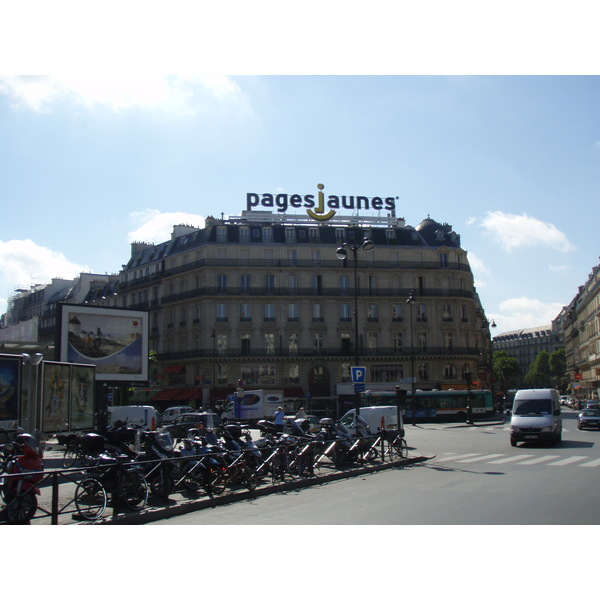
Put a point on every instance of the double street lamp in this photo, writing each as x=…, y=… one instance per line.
x=342, y=254
x=411, y=300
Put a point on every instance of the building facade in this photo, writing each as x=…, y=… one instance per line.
x=263, y=298
x=582, y=338
x=525, y=344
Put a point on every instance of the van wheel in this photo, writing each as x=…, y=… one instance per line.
x=513, y=442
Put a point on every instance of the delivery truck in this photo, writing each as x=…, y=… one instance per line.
x=253, y=405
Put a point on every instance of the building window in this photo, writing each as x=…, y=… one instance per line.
x=258, y=374
x=290, y=235
x=293, y=343
x=372, y=337
x=449, y=372
x=372, y=283
x=245, y=312
x=443, y=260
x=317, y=342
x=346, y=344
x=245, y=283
x=346, y=373
x=396, y=312
x=397, y=341
x=221, y=234
x=293, y=312
x=316, y=257
x=449, y=339
x=221, y=312
x=422, y=341
x=222, y=374
x=267, y=234
x=294, y=373
x=293, y=285
x=221, y=344
x=373, y=313
x=422, y=313
x=269, y=312
x=292, y=257
x=269, y=284
x=245, y=345
x=269, y=343
x=447, y=312
x=386, y=373
x=345, y=313
x=244, y=235
x=317, y=285
x=221, y=284
x=344, y=285
x=317, y=312
x=424, y=372
x=313, y=235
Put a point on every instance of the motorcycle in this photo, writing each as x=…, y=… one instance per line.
x=160, y=473
x=22, y=459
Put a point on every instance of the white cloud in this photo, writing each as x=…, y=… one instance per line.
x=24, y=263
x=518, y=231
x=156, y=227
x=118, y=92
x=524, y=313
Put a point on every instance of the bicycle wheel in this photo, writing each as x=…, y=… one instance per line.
x=90, y=499
x=134, y=490
x=401, y=447
x=21, y=509
x=249, y=478
x=216, y=481
x=161, y=483
x=194, y=479
x=69, y=458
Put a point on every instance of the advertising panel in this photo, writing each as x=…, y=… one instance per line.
x=81, y=406
x=114, y=340
x=10, y=390
x=56, y=385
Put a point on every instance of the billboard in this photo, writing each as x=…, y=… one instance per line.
x=114, y=340
x=67, y=396
x=10, y=390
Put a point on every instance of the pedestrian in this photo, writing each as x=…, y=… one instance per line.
x=278, y=417
x=301, y=414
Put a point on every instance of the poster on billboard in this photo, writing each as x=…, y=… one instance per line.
x=56, y=385
x=10, y=390
x=81, y=405
x=114, y=340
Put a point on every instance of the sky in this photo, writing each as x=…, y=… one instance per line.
x=93, y=160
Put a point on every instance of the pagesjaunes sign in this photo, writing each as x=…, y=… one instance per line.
x=320, y=208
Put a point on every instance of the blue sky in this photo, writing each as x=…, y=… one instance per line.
x=89, y=164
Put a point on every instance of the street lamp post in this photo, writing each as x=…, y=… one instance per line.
x=342, y=254
x=411, y=300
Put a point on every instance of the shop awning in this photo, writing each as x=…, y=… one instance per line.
x=175, y=369
x=166, y=395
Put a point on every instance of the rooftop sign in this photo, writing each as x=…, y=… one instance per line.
x=321, y=208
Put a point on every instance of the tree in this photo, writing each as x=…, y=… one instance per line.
x=506, y=370
x=539, y=375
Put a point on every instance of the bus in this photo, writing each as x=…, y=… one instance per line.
x=438, y=405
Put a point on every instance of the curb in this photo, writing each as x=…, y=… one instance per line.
x=160, y=513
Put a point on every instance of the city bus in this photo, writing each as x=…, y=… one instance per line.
x=436, y=405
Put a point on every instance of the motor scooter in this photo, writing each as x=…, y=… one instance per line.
x=23, y=463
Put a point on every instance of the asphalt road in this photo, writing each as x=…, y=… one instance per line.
x=473, y=478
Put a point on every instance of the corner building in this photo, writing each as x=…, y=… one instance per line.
x=264, y=298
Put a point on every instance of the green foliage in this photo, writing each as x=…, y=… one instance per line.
x=506, y=370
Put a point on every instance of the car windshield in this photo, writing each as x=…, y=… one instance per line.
x=541, y=406
x=591, y=413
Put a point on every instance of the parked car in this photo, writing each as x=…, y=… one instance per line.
x=564, y=400
x=201, y=421
x=588, y=417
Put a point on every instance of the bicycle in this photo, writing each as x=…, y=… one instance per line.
x=117, y=476
x=226, y=473
x=396, y=444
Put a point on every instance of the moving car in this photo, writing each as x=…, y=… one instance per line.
x=588, y=417
x=201, y=421
x=173, y=412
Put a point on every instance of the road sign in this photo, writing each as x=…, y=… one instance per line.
x=359, y=387
x=359, y=374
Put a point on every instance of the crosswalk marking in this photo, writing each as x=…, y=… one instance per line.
x=539, y=459
x=510, y=459
x=592, y=463
x=568, y=461
x=461, y=456
x=477, y=458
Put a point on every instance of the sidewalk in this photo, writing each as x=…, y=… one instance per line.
x=181, y=502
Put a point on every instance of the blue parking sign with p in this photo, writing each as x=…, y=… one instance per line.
x=359, y=374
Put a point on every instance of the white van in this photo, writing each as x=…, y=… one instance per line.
x=377, y=417
x=536, y=416
x=174, y=411
x=143, y=417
